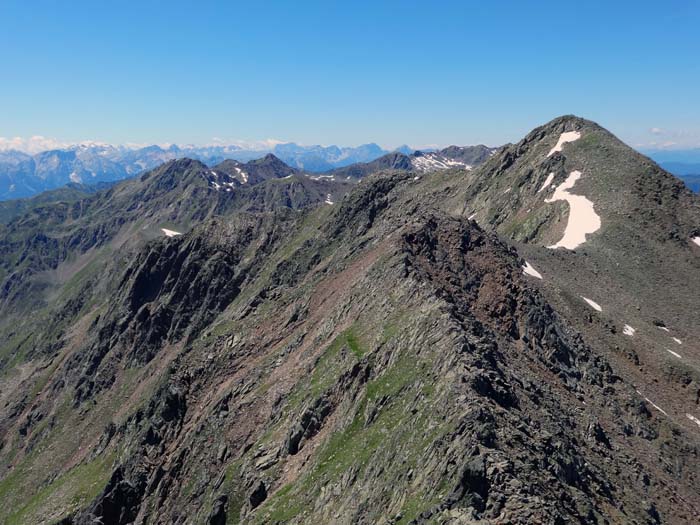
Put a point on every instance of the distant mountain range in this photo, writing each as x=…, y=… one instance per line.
x=233, y=176
x=686, y=156
x=684, y=164
x=24, y=175
x=688, y=172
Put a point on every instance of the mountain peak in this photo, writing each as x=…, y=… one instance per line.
x=179, y=164
x=271, y=161
x=567, y=123
x=255, y=171
x=271, y=157
x=175, y=166
x=178, y=173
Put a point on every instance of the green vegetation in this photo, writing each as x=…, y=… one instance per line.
x=328, y=367
x=286, y=506
x=236, y=497
x=393, y=429
x=72, y=490
x=353, y=343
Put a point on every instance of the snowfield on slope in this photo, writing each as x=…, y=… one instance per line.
x=583, y=219
x=592, y=304
x=170, y=233
x=220, y=181
x=242, y=173
x=569, y=136
x=433, y=162
x=547, y=182
x=657, y=407
x=529, y=270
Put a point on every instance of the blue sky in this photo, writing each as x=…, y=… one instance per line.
x=328, y=72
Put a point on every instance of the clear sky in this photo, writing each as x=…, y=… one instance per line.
x=441, y=72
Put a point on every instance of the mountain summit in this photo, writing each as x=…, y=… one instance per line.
x=510, y=338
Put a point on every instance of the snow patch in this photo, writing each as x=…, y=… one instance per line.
x=471, y=217
x=583, y=219
x=529, y=270
x=677, y=340
x=657, y=407
x=434, y=162
x=243, y=174
x=170, y=233
x=693, y=419
x=592, y=304
x=674, y=353
x=547, y=182
x=663, y=328
x=628, y=330
x=696, y=240
x=74, y=177
x=569, y=136
x=329, y=199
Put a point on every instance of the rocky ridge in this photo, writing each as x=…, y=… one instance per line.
x=383, y=359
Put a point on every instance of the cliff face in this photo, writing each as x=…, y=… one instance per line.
x=379, y=360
